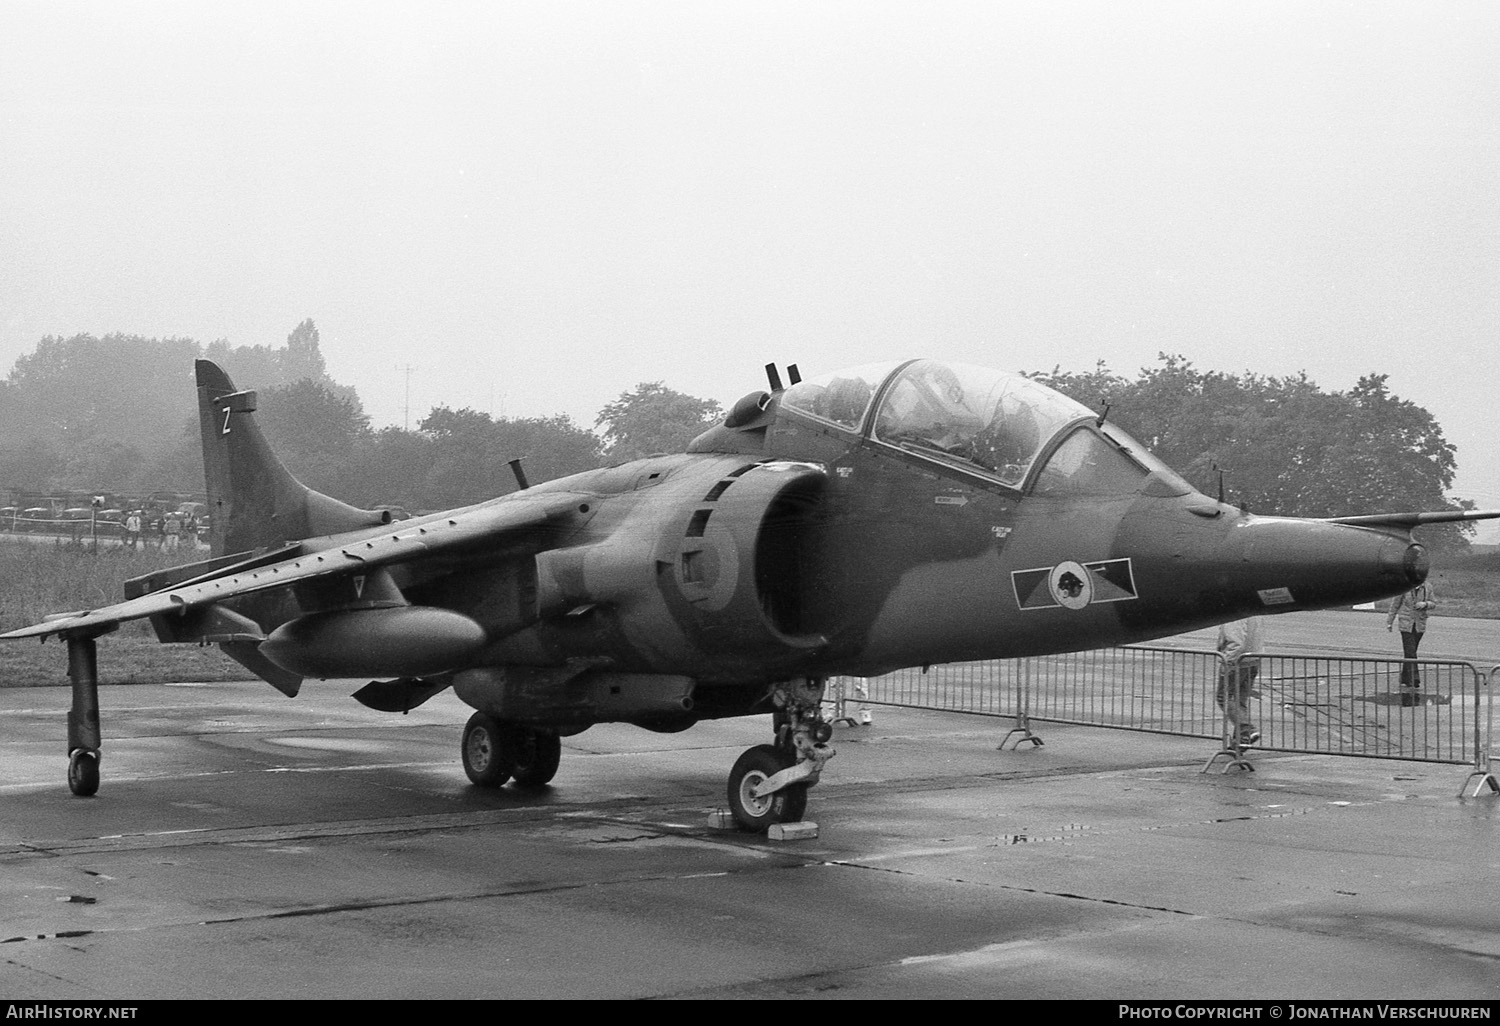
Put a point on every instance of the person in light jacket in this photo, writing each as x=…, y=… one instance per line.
x=1409, y=611
x=1238, y=641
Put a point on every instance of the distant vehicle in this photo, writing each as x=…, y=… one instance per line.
x=110, y=523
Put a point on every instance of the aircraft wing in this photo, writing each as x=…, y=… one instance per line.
x=487, y=525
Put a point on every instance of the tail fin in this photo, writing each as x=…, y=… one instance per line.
x=253, y=501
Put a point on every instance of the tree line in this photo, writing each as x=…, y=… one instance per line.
x=118, y=414
x=1282, y=446
x=87, y=413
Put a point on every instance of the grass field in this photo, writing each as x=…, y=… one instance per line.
x=41, y=578
x=131, y=655
x=37, y=578
x=1468, y=585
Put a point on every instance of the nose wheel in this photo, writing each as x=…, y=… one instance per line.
x=755, y=812
x=768, y=784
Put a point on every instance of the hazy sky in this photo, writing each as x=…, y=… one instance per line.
x=535, y=206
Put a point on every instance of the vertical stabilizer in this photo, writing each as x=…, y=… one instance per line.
x=253, y=501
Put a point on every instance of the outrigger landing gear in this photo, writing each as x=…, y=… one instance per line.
x=495, y=751
x=83, y=718
x=769, y=783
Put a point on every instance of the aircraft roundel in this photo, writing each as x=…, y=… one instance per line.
x=1071, y=585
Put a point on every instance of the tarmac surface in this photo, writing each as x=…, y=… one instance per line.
x=248, y=845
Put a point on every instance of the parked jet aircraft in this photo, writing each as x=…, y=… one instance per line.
x=891, y=515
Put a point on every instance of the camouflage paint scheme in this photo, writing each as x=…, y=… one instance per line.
x=889, y=516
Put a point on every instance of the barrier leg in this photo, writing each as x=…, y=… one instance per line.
x=1480, y=776
x=1232, y=750
x=1022, y=727
x=1023, y=716
x=840, y=704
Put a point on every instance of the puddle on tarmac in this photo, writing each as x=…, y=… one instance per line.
x=326, y=744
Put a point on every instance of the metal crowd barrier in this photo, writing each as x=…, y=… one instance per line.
x=60, y=527
x=1330, y=705
x=1483, y=776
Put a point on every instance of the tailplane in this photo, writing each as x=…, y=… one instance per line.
x=253, y=500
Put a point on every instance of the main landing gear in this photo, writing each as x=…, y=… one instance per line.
x=495, y=751
x=769, y=783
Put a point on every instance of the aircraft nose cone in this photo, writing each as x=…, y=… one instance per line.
x=1190, y=567
x=1321, y=564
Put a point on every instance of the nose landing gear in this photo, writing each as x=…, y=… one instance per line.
x=755, y=810
x=769, y=783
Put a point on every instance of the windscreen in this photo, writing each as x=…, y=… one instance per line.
x=1086, y=464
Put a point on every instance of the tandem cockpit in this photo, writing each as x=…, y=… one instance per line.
x=1002, y=427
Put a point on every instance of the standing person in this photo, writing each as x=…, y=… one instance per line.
x=132, y=529
x=1238, y=640
x=1410, y=610
x=862, y=693
x=172, y=529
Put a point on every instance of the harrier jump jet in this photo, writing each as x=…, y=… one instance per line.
x=886, y=516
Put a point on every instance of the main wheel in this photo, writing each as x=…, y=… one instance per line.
x=534, y=754
x=83, y=772
x=755, y=815
x=484, y=753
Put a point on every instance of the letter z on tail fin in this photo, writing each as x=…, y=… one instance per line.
x=253, y=501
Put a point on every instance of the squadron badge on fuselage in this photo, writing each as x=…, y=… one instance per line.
x=1074, y=585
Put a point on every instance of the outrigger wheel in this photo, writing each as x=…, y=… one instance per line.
x=83, y=772
x=495, y=751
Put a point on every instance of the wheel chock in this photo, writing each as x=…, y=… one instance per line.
x=800, y=831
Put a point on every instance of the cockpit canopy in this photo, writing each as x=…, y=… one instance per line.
x=996, y=421
x=984, y=421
